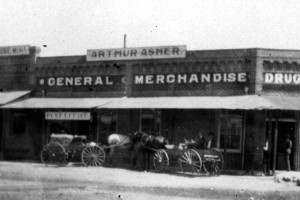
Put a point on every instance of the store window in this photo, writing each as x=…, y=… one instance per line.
x=231, y=126
x=19, y=123
x=150, y=121
x=108, y=123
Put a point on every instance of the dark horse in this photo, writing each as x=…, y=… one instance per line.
x=146, y=145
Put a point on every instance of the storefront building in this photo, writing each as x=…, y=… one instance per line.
x=166, y=91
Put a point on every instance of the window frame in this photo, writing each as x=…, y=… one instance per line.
x=240, y=124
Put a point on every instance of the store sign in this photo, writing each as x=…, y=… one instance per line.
x=82, y=81
x=282, y=78
x=240, y=77
x=68, y=116
x=14, y=50
x=136, y=53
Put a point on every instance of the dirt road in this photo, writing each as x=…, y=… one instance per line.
x=36, y=181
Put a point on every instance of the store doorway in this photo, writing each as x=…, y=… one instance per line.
x=284, y=128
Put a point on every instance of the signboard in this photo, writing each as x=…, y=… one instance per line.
x=14, y=50
x=67, y=116
x=193, y=78
x=137, y=53
x=282, y=78
x=70, y=81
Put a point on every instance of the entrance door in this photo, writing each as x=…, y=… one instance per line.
x=284, y=128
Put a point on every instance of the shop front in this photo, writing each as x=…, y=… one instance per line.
x=167, y=91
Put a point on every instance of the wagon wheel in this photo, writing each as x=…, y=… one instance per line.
x=54, y=153
x=161, y=160
x=216, y=165
x=190, y=161
x=93, y=156
x=46, y=155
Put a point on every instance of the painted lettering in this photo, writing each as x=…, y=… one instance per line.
x=217, y=78
x=296, y=78
x=78, y=81
x=160, y=79
x=194, y=78
x=108, y=81
x=51, y=81
x=98, y=81
x=182, y=78
x=175, y=51
x=133, y=52
x=269, y=78
x=149, y=79
x=278, y=78
x=139, y=79
x=69, y=81
x=170, y=78
x=87, y=80
x=242, y=77
x=59, y=81
x=205, y=78
x=288, y=78
x=231, y=77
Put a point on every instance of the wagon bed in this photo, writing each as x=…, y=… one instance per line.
x=64, y=148
x=196, y=161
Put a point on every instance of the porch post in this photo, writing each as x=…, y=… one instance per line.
x=296, y=166
x=244, y=138
x=270, y=140
x=275, y=142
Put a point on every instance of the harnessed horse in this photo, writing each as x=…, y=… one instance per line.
x=145, y=145
x=116, y=140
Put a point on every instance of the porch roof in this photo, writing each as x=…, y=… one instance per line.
x=58, y=103
x=249, y=102
x=6, y=97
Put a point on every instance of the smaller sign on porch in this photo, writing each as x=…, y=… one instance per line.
x=68, y=116
x=137, y=53
x=14, y=50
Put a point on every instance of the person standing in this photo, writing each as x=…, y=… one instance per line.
x=288, y=150
x=200, y=141
x=249, y=153
x=266, y=158
x=210, y=140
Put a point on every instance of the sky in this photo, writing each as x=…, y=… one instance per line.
x=71, y=27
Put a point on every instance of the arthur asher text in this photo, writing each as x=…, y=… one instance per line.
x=191, y=78
x=137, y=53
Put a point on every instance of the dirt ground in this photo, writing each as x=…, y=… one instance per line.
x=21, y=180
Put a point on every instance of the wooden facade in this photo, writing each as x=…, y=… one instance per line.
x=236, y=72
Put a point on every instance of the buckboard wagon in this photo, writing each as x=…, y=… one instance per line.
x=64, y=148
x=194, y=161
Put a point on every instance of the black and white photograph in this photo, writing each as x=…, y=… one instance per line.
x=150, y=100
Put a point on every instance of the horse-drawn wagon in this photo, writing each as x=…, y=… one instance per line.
x=190, y=159
x=64, y=148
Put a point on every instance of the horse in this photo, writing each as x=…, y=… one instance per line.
x=116, y=140
x=145, y=145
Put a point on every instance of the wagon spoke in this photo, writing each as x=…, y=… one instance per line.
x=95, y=155
x=161, y=160
x=190, y=161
